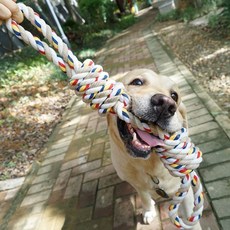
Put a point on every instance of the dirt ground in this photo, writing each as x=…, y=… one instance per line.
x=205, y=52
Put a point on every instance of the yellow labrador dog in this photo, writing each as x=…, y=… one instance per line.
x=156, y=100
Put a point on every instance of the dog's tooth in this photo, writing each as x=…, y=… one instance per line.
x=134, y=136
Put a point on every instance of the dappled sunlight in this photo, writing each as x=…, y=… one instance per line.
x=52, y=216
x=213, y=55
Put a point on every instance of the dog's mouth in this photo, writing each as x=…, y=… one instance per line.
x=138, y=143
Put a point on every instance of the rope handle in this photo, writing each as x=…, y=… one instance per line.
x=179, y=155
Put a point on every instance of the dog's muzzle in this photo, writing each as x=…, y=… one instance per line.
x=138, y=143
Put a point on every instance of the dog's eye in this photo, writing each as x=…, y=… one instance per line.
x=174, y=96
x=136, y=81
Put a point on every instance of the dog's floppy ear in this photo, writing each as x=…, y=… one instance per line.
x=183, y=112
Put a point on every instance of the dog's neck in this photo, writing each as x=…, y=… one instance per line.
x=157, y=188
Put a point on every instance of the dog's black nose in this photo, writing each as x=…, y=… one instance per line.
x=164, y=106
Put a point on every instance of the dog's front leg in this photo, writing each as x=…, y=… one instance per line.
x=149, y=209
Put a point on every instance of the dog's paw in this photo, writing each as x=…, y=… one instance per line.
x=148, y=216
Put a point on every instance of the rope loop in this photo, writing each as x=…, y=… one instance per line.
x=181, y=160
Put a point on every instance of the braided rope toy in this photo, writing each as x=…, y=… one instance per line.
x=179, y=155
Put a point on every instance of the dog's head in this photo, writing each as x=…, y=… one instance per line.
x=156, y=101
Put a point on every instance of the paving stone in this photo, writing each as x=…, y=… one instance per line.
x=208, y=221
x=76, y=147
x=215, y=145
x=10, y=194
x=83, y=122
x=32, y=221
x=109, y=180
x=207, y=136
x=56, y=196
x=67, y=130
x=80, y=133
x=124, y=189
x=96, y=151
x=124, y=213
x=104, y=197
x=216, y=157
x=88, y=194
x=102, y=125
x=223, y=120
x=35, y=198
x=193, y=108
x=71, y=122
x=63, y=139
x=11, y=183
x=200, y=120
x=45, y=169
x=57, y=151
x=107, y=157
x=98, y=224
x=52, y=173
x=84, y=214
x=203, y=128
x=222, y=207
x=167, y=225
x=48, y=184
x=53, y=159
x=64, y=144
x=207, y=202
x=62, y=180
x=218, y=188
x=56, y=136
x=37, y=208
x=17, y=222
x=104, y=203
x=46, y=221
x=89, y=166
x=198, y=113
x=188, y=97
x=3, y=195
x=215, y=172
x=84, y=150
x=100, y=140
x=154, y=225
x=74, y=163
x=192, y=102
x=73, y=187
x=97, y=173
x=225, y=224
x=107, y=145
x=4, y=207
x=91, y=127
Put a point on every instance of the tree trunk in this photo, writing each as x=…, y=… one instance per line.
x=71, y=10
x=121, y=5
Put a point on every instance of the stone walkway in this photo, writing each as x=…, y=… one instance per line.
x=76, y=187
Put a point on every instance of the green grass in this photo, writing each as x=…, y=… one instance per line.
x=25, y=65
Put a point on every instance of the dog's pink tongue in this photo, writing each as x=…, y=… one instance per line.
x=149, y=139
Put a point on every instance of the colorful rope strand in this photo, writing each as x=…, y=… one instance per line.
x=181, y=158
x=179, y=155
